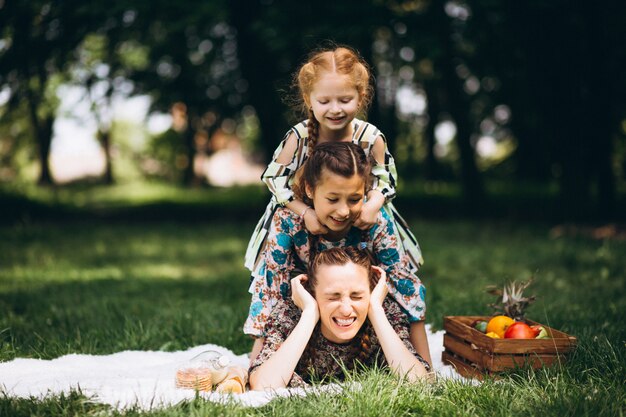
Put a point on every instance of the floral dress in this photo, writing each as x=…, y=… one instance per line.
x=279, y=179
x=323, y=359
x=287, y=249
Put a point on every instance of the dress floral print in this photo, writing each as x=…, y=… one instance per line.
x=324, y=359
x=279, y=179
x=287, y=250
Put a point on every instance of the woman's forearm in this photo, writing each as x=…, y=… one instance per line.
x=419, y=340
x=277, y=371
x=256, y=348
x=399, y=357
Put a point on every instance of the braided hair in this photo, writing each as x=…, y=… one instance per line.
x=336, y=59
x=341, y=158
x=313, y=127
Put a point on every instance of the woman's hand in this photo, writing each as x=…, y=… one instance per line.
x=301, y=297
x=313, y=224
x=380, y=290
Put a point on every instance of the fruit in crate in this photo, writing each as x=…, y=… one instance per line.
x=519, y=330
x=480, y=325
x=499, y=325
x=540, y=332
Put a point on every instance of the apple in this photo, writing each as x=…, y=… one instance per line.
x=519, y=330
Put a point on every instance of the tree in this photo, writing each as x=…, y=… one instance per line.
x=560, y=64
x=444, y=68
x=275, y=39
x=191, y=59
x=102, y=65
x=39, y=38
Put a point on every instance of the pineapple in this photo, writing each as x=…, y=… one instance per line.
x=511, y=301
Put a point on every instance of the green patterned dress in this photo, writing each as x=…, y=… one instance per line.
x=279, y=179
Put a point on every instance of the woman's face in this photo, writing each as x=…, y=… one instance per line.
x=338, y=201
x=343, y=297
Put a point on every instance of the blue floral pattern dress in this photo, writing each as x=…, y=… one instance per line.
x=287, y=249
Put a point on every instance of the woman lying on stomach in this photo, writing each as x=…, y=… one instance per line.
x=342, y=319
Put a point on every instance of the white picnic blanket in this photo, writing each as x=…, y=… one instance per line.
x=145, y=379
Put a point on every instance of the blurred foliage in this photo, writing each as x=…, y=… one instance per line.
x=167, y=156
x=529, y=91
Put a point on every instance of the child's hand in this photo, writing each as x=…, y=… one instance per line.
x=301, y=297
x=369, y=215
x=380, y=290
x=313, y=224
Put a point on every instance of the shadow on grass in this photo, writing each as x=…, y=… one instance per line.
x=157, y=202
x=106, y=316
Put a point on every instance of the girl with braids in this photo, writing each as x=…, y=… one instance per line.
x=334, y=182
x=337, y=316
x=334, y=86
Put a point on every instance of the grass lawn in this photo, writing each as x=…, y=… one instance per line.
x=90, y=286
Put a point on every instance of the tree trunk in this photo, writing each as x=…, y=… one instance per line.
x=104, y=137
x=189, y=173
x=458, y=106
x=258, y=67
x=601, y=122
x=431, y=165
x=44, y=138
x=43, y=135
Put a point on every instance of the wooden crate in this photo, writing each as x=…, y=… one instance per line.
x=475, y=354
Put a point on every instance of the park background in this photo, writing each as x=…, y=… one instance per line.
x=133, y=134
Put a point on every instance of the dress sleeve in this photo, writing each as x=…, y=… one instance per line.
x=384, y=176
x=278, y=177
x=280, y=324
x=272, y=283
x=405, y=287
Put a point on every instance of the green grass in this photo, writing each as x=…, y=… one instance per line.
x=99, y=287
x=154, y=200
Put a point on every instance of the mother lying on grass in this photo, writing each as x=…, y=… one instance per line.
x=338, y=316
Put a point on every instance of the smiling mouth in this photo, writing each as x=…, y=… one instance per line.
x=344, y=322
x=339, y=221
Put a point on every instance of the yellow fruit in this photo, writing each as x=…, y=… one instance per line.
x=499, y=324
x=493, y=335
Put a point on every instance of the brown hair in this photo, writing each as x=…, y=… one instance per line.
x=341, y=256
x=341, y=60
x=342, y=158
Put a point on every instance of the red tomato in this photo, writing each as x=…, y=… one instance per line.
x=519, y=330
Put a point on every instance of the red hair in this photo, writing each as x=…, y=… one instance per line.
x=341, y=60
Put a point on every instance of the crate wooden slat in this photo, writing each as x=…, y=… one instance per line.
x=473, y=352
